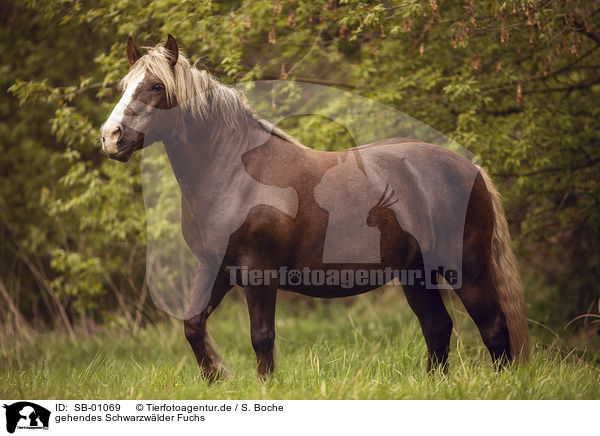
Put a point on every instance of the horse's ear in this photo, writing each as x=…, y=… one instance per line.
x=133, y=54
x=172, y=50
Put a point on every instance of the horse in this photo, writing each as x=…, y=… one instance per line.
x=262, y=211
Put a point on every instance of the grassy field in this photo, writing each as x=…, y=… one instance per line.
x=369, y=347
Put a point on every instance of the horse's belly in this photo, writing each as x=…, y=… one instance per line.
x=329, y=291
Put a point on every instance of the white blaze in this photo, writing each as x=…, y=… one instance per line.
x=110, y=132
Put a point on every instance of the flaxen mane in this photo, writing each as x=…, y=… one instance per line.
x=198, y=92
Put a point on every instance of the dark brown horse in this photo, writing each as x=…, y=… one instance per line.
x=264, y=212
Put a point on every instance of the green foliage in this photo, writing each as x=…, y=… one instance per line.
x=515, y=82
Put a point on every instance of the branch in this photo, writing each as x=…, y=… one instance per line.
x=566, y=88
x=588, y=164
x=316, y=81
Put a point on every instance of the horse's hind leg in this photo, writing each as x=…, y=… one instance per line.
x=195, y=328
x=261, y=307
x=477, y=291
x=436, y=324
x=479, y=299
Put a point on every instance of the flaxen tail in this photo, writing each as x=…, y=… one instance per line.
x=506, y=278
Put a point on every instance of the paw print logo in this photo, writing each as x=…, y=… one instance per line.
x=294, y=277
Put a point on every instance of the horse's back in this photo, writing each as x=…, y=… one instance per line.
x=433, y=187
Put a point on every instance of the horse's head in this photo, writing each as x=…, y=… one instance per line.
x=141, y=114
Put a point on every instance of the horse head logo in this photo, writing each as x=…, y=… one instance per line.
x=26, y=415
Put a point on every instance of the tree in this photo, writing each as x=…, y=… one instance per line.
x=515, y=82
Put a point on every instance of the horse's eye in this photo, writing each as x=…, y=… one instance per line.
x=157, y=87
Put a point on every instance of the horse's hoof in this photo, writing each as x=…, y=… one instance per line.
x=264, y=377
x=216, y=373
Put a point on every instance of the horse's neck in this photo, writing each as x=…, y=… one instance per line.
x=198, y=154
x=208, y=165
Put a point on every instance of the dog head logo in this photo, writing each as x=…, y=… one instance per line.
x=26, y=415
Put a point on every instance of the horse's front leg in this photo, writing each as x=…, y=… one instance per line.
x=261, y=306
x=195, y=324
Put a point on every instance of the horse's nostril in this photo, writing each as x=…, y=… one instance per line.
x=115, y=135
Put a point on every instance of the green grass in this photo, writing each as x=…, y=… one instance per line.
x=367, y=348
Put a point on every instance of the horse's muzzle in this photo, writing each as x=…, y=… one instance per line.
x=110, y=136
